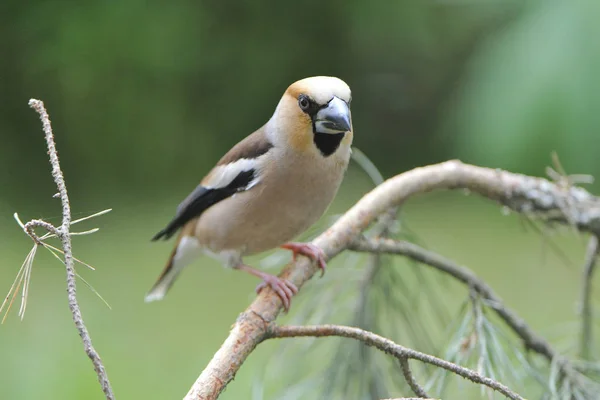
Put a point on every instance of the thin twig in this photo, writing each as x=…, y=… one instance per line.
x=34, y=223
x=388, y=347
x=521, y=193
x=410, y=378
x=63, y=234
x=531, y=340
x=586, y=293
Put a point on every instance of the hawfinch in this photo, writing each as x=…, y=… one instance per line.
x=269, y=188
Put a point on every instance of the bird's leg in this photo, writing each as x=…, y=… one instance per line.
x=284, y=288
x=309, y=250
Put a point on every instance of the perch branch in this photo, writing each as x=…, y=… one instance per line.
x=63, y=234
x=521, y=193
x=389, y=347
x=586, y=304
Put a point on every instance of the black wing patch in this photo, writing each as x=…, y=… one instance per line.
x=201, y=199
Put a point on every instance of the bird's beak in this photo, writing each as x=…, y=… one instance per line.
x=335, y=118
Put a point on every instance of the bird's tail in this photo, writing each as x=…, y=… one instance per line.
x=165, y=280
x=185, y=251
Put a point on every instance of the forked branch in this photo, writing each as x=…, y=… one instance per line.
x=403, y=354
x=531, y=340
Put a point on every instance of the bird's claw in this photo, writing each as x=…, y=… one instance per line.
x=309, y=250
x=284, y=289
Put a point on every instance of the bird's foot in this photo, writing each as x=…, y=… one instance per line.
x=284, y=288
x=309, y=250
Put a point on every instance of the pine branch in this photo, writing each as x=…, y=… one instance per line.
x=387, y=346
x=534, y=197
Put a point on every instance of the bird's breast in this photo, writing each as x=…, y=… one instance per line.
x=289, y=198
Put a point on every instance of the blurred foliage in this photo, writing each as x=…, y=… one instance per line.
x=146, y=96
x=533, y=89
x=133, y=86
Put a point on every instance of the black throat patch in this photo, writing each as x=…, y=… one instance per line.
x=327, y=143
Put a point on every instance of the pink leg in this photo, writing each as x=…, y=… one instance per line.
x=310, y=250
x=284, y=288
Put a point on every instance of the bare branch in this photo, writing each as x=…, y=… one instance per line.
x=524, y=194
x=389, y=347
x=410, y=378
x=34, y=223
x=63, y=234
x=586, y=293
x=57, y=174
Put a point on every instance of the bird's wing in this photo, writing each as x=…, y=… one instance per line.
x=237, y=171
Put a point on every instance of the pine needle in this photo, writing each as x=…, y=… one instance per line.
x=16, y=286
x=51, y=250
x=23, y=278
x=26, y=280
x=99, y=213
x=49, y=246
x=86, y=283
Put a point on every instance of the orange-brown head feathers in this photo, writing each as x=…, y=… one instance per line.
x=320, y=88
x=314, y=116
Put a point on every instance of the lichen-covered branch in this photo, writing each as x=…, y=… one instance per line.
x=520, y=193
x=63, y=234
x=400, y=352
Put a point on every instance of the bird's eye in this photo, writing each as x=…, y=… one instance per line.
x=303, y=102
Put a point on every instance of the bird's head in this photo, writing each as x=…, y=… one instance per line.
x=314, y=115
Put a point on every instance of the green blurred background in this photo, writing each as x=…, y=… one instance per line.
x=145, y=96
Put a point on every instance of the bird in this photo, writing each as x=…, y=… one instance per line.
x=268, y=189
